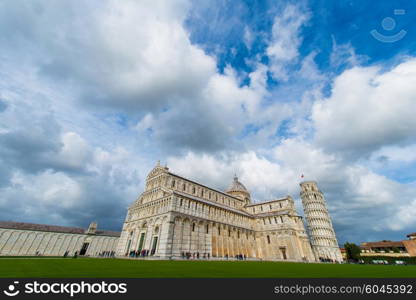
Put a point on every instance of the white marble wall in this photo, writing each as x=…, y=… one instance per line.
x=26, y=243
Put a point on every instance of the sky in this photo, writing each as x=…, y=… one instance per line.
x=94, y=93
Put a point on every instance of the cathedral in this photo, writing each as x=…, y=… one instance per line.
x=179, y=218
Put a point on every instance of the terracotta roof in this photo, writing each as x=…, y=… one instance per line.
x=52, y=228
x=411, y=234
x=381, y=244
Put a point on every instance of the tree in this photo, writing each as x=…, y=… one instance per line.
x=353, y=251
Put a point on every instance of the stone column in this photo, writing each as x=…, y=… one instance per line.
x=177, y=237
x=166, y=235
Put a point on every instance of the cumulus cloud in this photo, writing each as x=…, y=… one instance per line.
x=214, y=120
x=106, y=53
x=368, y=108
x=57, y=195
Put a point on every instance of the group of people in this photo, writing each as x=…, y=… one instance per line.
x=139, y=253
x=195, y=255
x=237, y=256
x=329, y=260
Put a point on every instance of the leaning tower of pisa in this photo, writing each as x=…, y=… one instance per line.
x=322, y=235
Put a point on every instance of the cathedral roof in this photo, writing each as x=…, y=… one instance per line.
x=237, y=186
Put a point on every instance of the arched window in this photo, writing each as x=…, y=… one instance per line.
x=219, y=230
x=193, y=226
x=207, y=228
x=193, y=190
x=181, y=202
x=268, y=239
x=183, y=187
x=173, y=183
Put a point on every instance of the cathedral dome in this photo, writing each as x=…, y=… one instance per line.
x=236, y=186
x=237, y=189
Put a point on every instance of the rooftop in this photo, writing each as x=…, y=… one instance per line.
x=53, y=228
x=382, y=244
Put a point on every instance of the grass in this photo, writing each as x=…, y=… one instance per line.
x=114, y=268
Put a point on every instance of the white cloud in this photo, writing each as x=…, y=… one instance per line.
x=344, y=54
x=405, y=216
x=75, y=152
x=134, y=53
x=285, y=40
x=248, y=37
x=368, y=109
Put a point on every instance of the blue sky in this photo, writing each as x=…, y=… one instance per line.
x=92, y=94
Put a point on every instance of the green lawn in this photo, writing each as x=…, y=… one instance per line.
x=95, y=267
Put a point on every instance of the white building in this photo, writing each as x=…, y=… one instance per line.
x=175, y=217
x=27, y=239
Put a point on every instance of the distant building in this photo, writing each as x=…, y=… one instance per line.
x=404, y=248
x=27, y=239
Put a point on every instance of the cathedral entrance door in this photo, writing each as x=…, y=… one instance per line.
x=152, y=252
x=140, y=247
x=283, y=250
